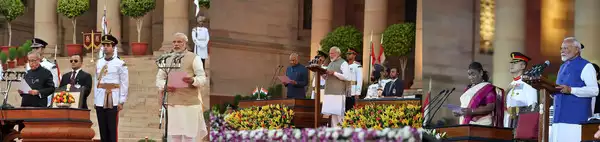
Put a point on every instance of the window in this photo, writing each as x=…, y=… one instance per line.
x=486, y=26
x=307, y=14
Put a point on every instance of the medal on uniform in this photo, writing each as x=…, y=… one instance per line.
x=77, y=86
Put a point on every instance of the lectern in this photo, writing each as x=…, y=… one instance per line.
x=319, y=71
x=545, y=88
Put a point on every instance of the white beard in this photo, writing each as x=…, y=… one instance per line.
x=563, y=58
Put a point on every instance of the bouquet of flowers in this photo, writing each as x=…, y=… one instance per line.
x=269, y=116
x=63, y=98
x=384, y=116
x=406, y=133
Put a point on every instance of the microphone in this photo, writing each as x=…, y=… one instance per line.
x=445, y=97
x=430, y=106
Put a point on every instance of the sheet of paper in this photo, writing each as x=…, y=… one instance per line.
x=23, y=86
x=284, y=79
x=176, y=79
x=454, y=108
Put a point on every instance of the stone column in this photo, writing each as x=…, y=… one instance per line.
x=418, y=80
x=46, y=23
x=375, y=22
x=322, y=13
x=175, y=20
x=510, y=37
x=587, y=29
x=113, y=18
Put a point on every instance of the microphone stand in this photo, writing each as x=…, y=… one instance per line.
x=161, y=62
x=429, y=107
x=275, y=74
x=445, y=96
x=18, y=76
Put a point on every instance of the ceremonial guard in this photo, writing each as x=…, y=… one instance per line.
x=38, y=46
x=201, y=37
x=521, y=96
x=355, y=78
x=577, y=86
x=322, y=56
x=112, y=84
x=185, y=104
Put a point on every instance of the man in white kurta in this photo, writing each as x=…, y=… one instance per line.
x=337, y=79
x=577, y=84
x=111, y=90
x=185, y=103
x=38, y=45
x=201, y=37
x=521, y=96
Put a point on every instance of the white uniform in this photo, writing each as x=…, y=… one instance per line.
x=322, y=81
x=201, y=37
x=372, y=90
x=53, y=69
x=521, y=94
x=355, y=78
x=116, y=73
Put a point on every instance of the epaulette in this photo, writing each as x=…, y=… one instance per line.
x=54, y=67
x=359, y=66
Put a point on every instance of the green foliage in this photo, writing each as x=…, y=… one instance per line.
x=12, y=53
x=24, y=49
x=137, y=8
x=204, y=3
x=11, y=9
x=3, y=57
x=343, y=37
x=399, y=39
x=72, y=8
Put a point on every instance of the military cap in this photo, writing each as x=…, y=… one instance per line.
x=36, y=42
x=517, y=56
x=352, y=50
x=581, y=45
x=322, y=53
x=109, y=39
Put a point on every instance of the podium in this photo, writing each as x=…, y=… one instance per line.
x=317, y=101
x=588, y=130
x=545, y=88
x=476, y=133
x=47, y=124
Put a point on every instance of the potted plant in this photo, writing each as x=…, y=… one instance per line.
x=3, y=58
x=399, y=40
x=23, y=50
x=11, y=9
x=12, y=56
x=72, y=9
x=343, y=37
x=136, y=9
x=204, y=4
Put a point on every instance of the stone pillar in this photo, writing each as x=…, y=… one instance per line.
x=46, y=23
x=554, y=27
x=417, y=82
x=510, y=37
x=587, y=29
x=175, y=20
x=375, y=22
x=113, y=18
x=322, y=14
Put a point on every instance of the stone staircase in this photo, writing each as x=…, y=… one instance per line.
x=140, y=117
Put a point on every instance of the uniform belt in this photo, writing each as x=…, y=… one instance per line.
x=108, y=104
x=352, y=82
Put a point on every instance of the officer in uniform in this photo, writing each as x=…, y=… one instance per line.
x=521, y=96
x=38, y=46
x=355, y=78
x=111, y=91
x=322, y=56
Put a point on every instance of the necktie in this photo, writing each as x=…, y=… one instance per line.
x=73, y=77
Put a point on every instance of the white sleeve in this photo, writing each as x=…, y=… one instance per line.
x=200, y=77
x=532, y=95
x=160, y=79
x=359, y=81
x=345, y=72
x=123, y=84
x=588, y=75
x=195, y=36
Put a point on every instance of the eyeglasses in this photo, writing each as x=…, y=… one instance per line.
x=32, y=60
x=74, y=61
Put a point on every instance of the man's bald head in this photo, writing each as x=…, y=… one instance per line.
x=293, y=59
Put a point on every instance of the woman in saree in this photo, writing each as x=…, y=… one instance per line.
x=481, y=102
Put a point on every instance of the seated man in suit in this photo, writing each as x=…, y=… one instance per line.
x=394, y=87
x=78, y=78
x=41, y=82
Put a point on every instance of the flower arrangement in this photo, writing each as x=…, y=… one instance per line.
x=217, y=120
x=384, y=116
x=64, y=98
x=269, y=116
x=406, y=133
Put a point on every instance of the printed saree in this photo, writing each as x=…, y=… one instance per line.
x=478, y=96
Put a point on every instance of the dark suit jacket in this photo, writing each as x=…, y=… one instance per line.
x=82, y=78
x=398, y=85
x=39, y=79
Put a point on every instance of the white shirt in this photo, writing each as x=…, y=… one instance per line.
x=201, y=37
x=117, y=73
x=588, y=75
x=345, y=75
x=521, y=94
x=199, y=78
x=356, y=76
x=372, y=90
